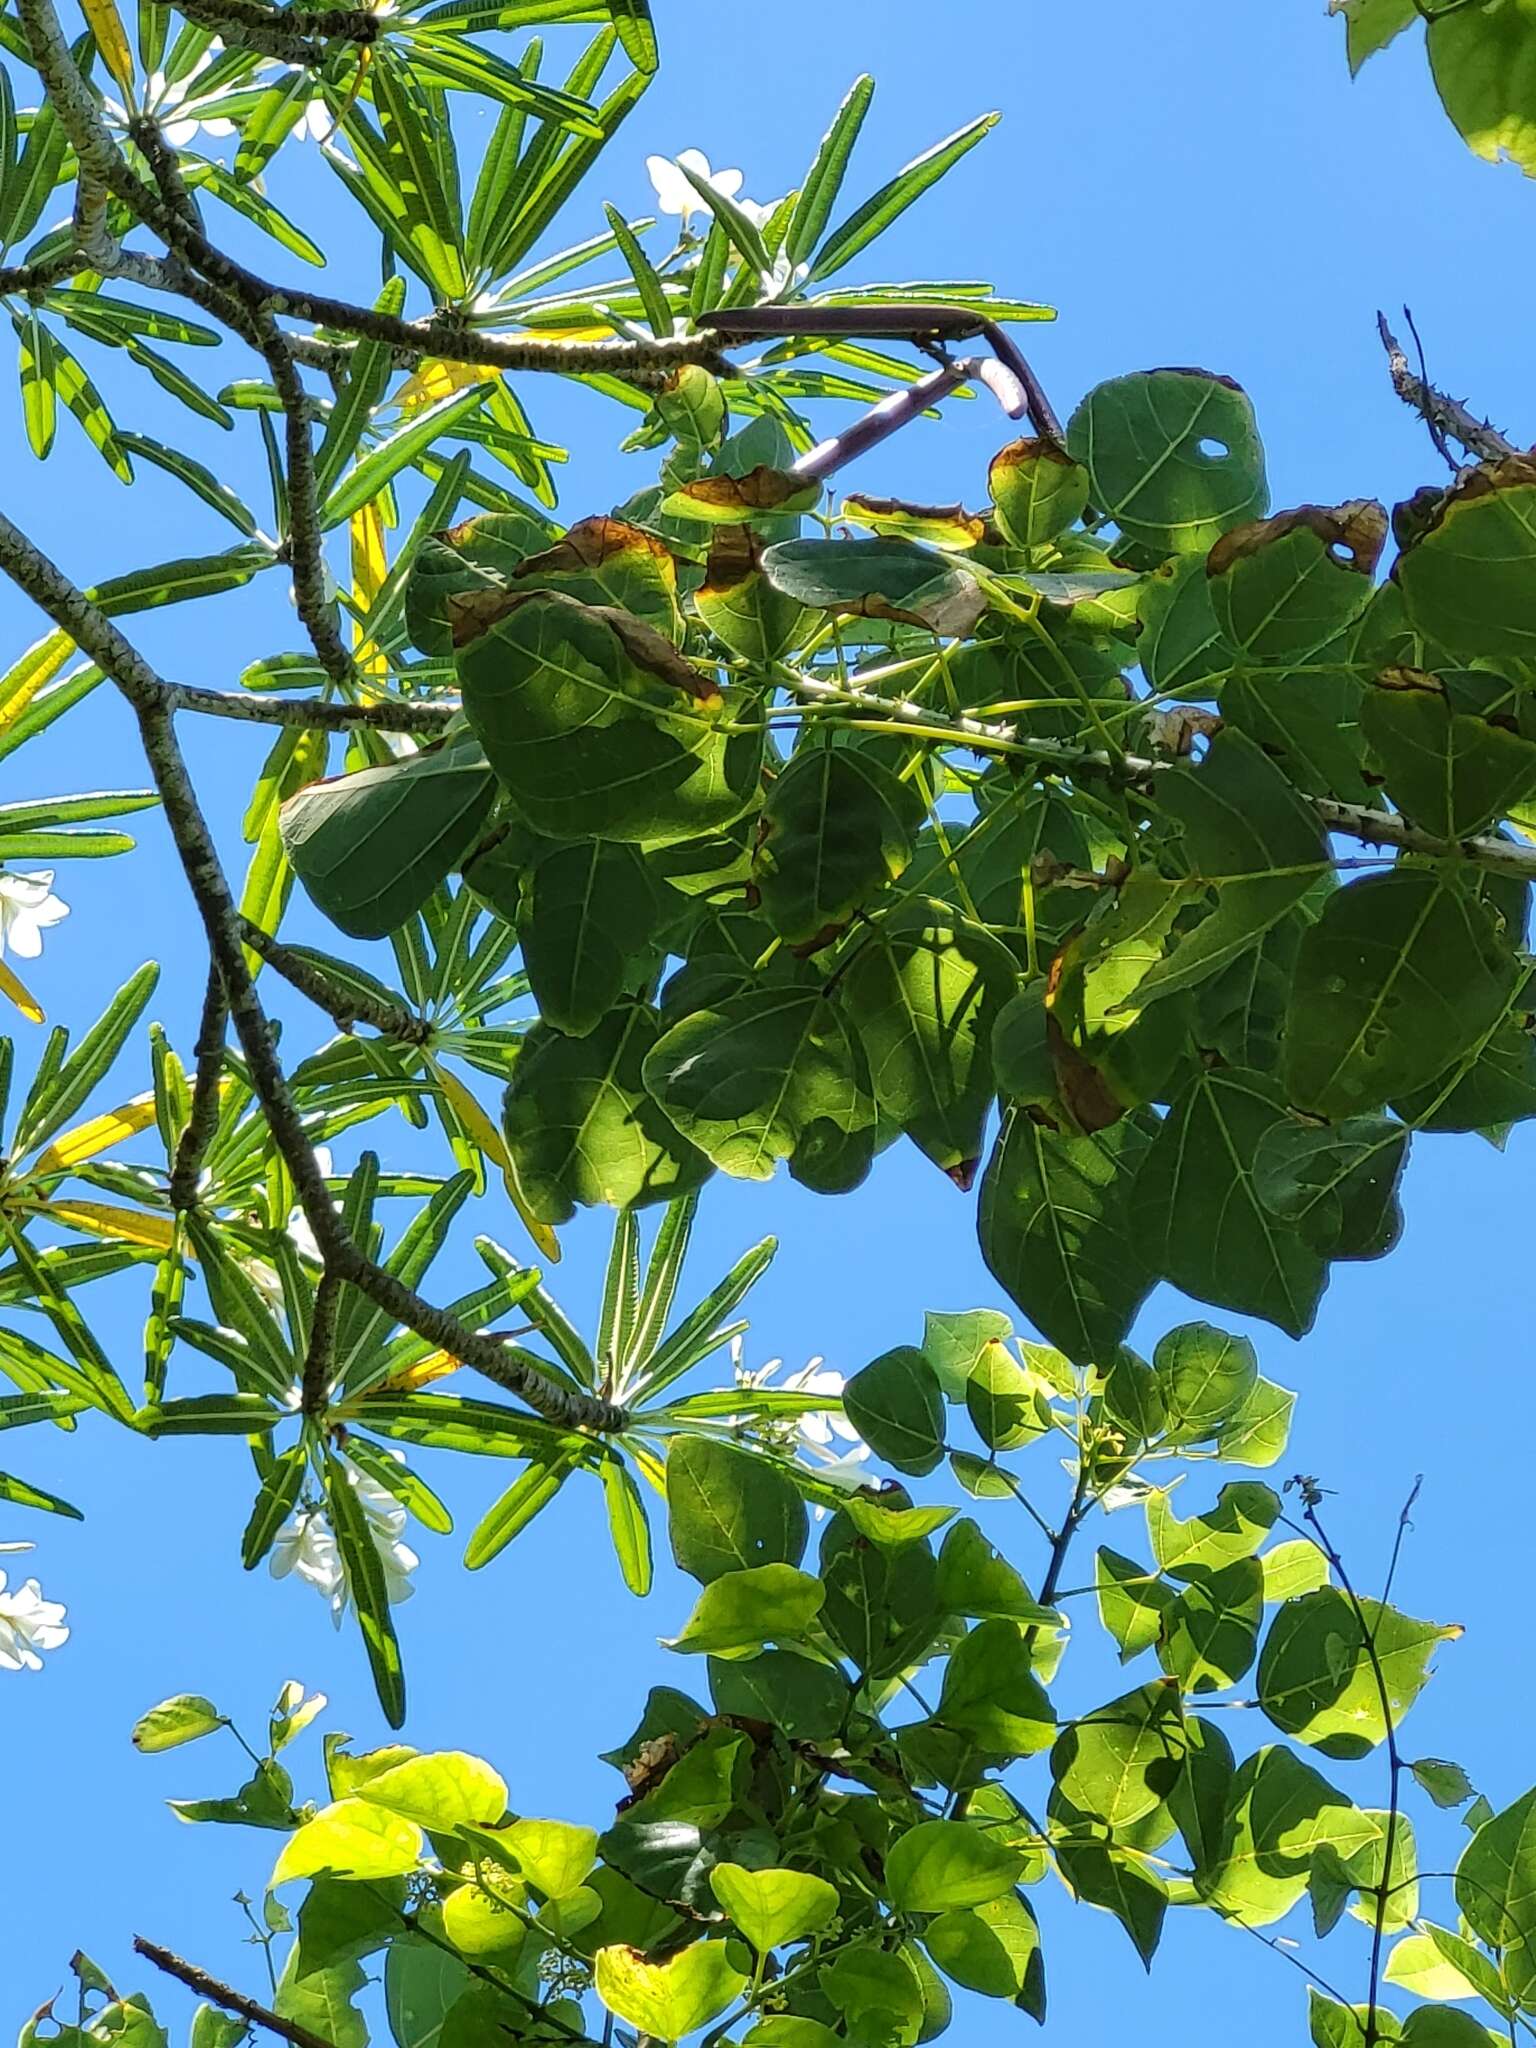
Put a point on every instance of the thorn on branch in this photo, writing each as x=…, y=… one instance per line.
x=1443, y=415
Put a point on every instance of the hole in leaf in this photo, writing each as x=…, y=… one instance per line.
x=1209, y=449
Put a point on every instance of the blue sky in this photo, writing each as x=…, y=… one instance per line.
x=1188, y=185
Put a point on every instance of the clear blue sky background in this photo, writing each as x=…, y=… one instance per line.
x=1188, y=184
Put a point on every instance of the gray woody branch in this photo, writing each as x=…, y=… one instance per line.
x=226, y=1996
x=153, y=703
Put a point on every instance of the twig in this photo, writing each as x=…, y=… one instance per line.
x=204, y=1116
x=1442, y=414
x=225, y=1994
x=153, y=705
x=1394, y=1757
x=315, y=1386
x=345, y=1006
x=882, y=420
x=306, y=542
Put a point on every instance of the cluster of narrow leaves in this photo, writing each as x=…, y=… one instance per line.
x=1482, y=56
x=838, y=1825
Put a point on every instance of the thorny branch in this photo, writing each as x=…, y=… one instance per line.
x=225, y=1995
x=1442, y=414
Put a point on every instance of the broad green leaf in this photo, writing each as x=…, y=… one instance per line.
x=671, y=1999
x=1132, y=1602
x=1453, y=773
x=553, y=1855
x=1203, y=1377
x=313, y=1999
x=592, y=912
x=1496, y=1890
x=1337, y=1184
x=1402, y=973
x=1173, y=457
x=991, y=1693
x=1481, y=68
x=1318, y=1683
x=896, y=1405
x=1210, y=1630
x=941, y=1865
x=804, y=1698
x=1284, y=589
x=1446, y=1783
x=882, y=1605
x=1279, y=1813
x=739, y=604
x=1003, y=1400
x=352, y=1839
x=583, y=1127
x=370, y=847
x=1038, y=491
x=924, y=989
x=878, y=579
x=836, y=827
x=876, y=1992
x=1465, y=578
x=1243, y=1516
x=955, y=1341
x=728, y=1510
x=1119, y=1763
x=1055, y=1222
x=756, y=1077
x=652, y=766
x=482, y=1925
x=1294, y=1568
x=1200, y=1219
x=175, y=1721
x=772, y=1907
x=745, y=1609
x=1369, y=25
x=993, y=1949
x=439, y=1792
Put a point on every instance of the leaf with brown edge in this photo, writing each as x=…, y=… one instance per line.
x=942, y=526
x=1038, y=491
x=737, y=602
x=886, y=578
x=732, y=500
x=1467, y=561
x=1285, y=588
x=603, y=561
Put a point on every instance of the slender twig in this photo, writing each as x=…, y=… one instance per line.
x=1442, y=414
x=882, y=420
x=225, y=1995
x=306, y=540
x=344, y=1005
x=153, y=705
x=1394, y=1756
x=315, y=1386
x=203, y=1118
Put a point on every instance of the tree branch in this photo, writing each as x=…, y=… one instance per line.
x=315, y=1386
x=225, y=1995
x=396, y=715
x=203, y=1120
x=153, y=704
x=1130, y=771
x=1442, y=414
x=287, y=33
x=345, y=1006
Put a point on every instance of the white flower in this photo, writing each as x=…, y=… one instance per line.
x=300, y=1235
x=306, y=1546
x=28, y=1623
x=757, y=212
x=27, y=908
x=823, y=1424
x=674, y=194
x=315, y=124
x=785, y=275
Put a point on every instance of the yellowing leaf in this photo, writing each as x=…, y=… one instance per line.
x=106, y=1219
x=370, y=566
x=20, y=995
x=436, y=380
x=471, y=1114
x=106, y=25
x=672, y=1999
x=38, y=666
x=88, y=1139
x=439, y=1791
x=350, y=1838
x=437, y=1365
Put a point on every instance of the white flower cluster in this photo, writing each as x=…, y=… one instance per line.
x=824, y=1437
x=29, y=1624
x=306, y=1546
x=28, y=907
x=674, y=194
